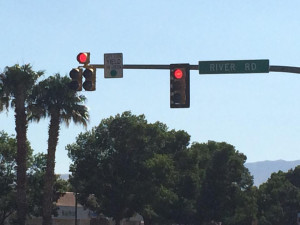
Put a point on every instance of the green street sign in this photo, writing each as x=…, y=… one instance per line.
x=234, y=66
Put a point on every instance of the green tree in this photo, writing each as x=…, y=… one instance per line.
x=35, y=173
x=294, y=176
x=8, y=150
x=159, y=194
x=51, y=98
x=190, y=164
x=226, y=186
x=15, y=87
x=127, y=164
x=279, y=199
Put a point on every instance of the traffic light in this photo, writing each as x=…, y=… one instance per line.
x=180, y=85
x=76, y=83
x=90, y=79
x=83, y=58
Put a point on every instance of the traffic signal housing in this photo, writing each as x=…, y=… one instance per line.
x=76, y=76
x=90, y=79
x=83, y=58
x=180, y=85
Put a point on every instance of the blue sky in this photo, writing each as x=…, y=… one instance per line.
x=257, y=113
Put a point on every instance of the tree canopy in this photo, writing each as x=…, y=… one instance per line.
x=8, y=150
x=129, y=165
x=16, y=84
x=227, y=185
x=126, y=165
x=36, y=164
x=112, y=162
x=279, y=198
x=51, y=98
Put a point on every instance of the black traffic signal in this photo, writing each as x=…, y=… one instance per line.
x=90, y=79
x=180, y=85
x=83, y=58
x=76, y=83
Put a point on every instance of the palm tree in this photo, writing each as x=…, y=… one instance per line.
x=52, y=98
x=16, y=83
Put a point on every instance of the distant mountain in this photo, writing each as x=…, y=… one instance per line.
x=261, y=171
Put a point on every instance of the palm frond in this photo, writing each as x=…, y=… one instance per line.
x=53, y=94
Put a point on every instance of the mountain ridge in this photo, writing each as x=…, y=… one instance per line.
x=262, y=170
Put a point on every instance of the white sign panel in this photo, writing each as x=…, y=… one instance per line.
x=113, y=65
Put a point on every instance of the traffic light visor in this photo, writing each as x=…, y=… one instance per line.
x=75, y=73
x=88, y=73
x=76, y=83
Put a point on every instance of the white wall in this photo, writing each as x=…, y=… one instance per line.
x=67, y=212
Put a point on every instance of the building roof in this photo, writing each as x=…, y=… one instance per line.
x=68, y=199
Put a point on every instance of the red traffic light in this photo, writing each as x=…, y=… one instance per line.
x=83, y=57
x=180, y=85
x=178, y=73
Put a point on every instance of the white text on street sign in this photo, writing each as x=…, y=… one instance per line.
x=234, y=66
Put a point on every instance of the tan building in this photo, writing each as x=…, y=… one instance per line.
x=66, y=215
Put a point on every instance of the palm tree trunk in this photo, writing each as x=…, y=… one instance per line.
x=49, y=176
x=21, y=131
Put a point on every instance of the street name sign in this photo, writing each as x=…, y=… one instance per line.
x=234, y=66
x=113, y=65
